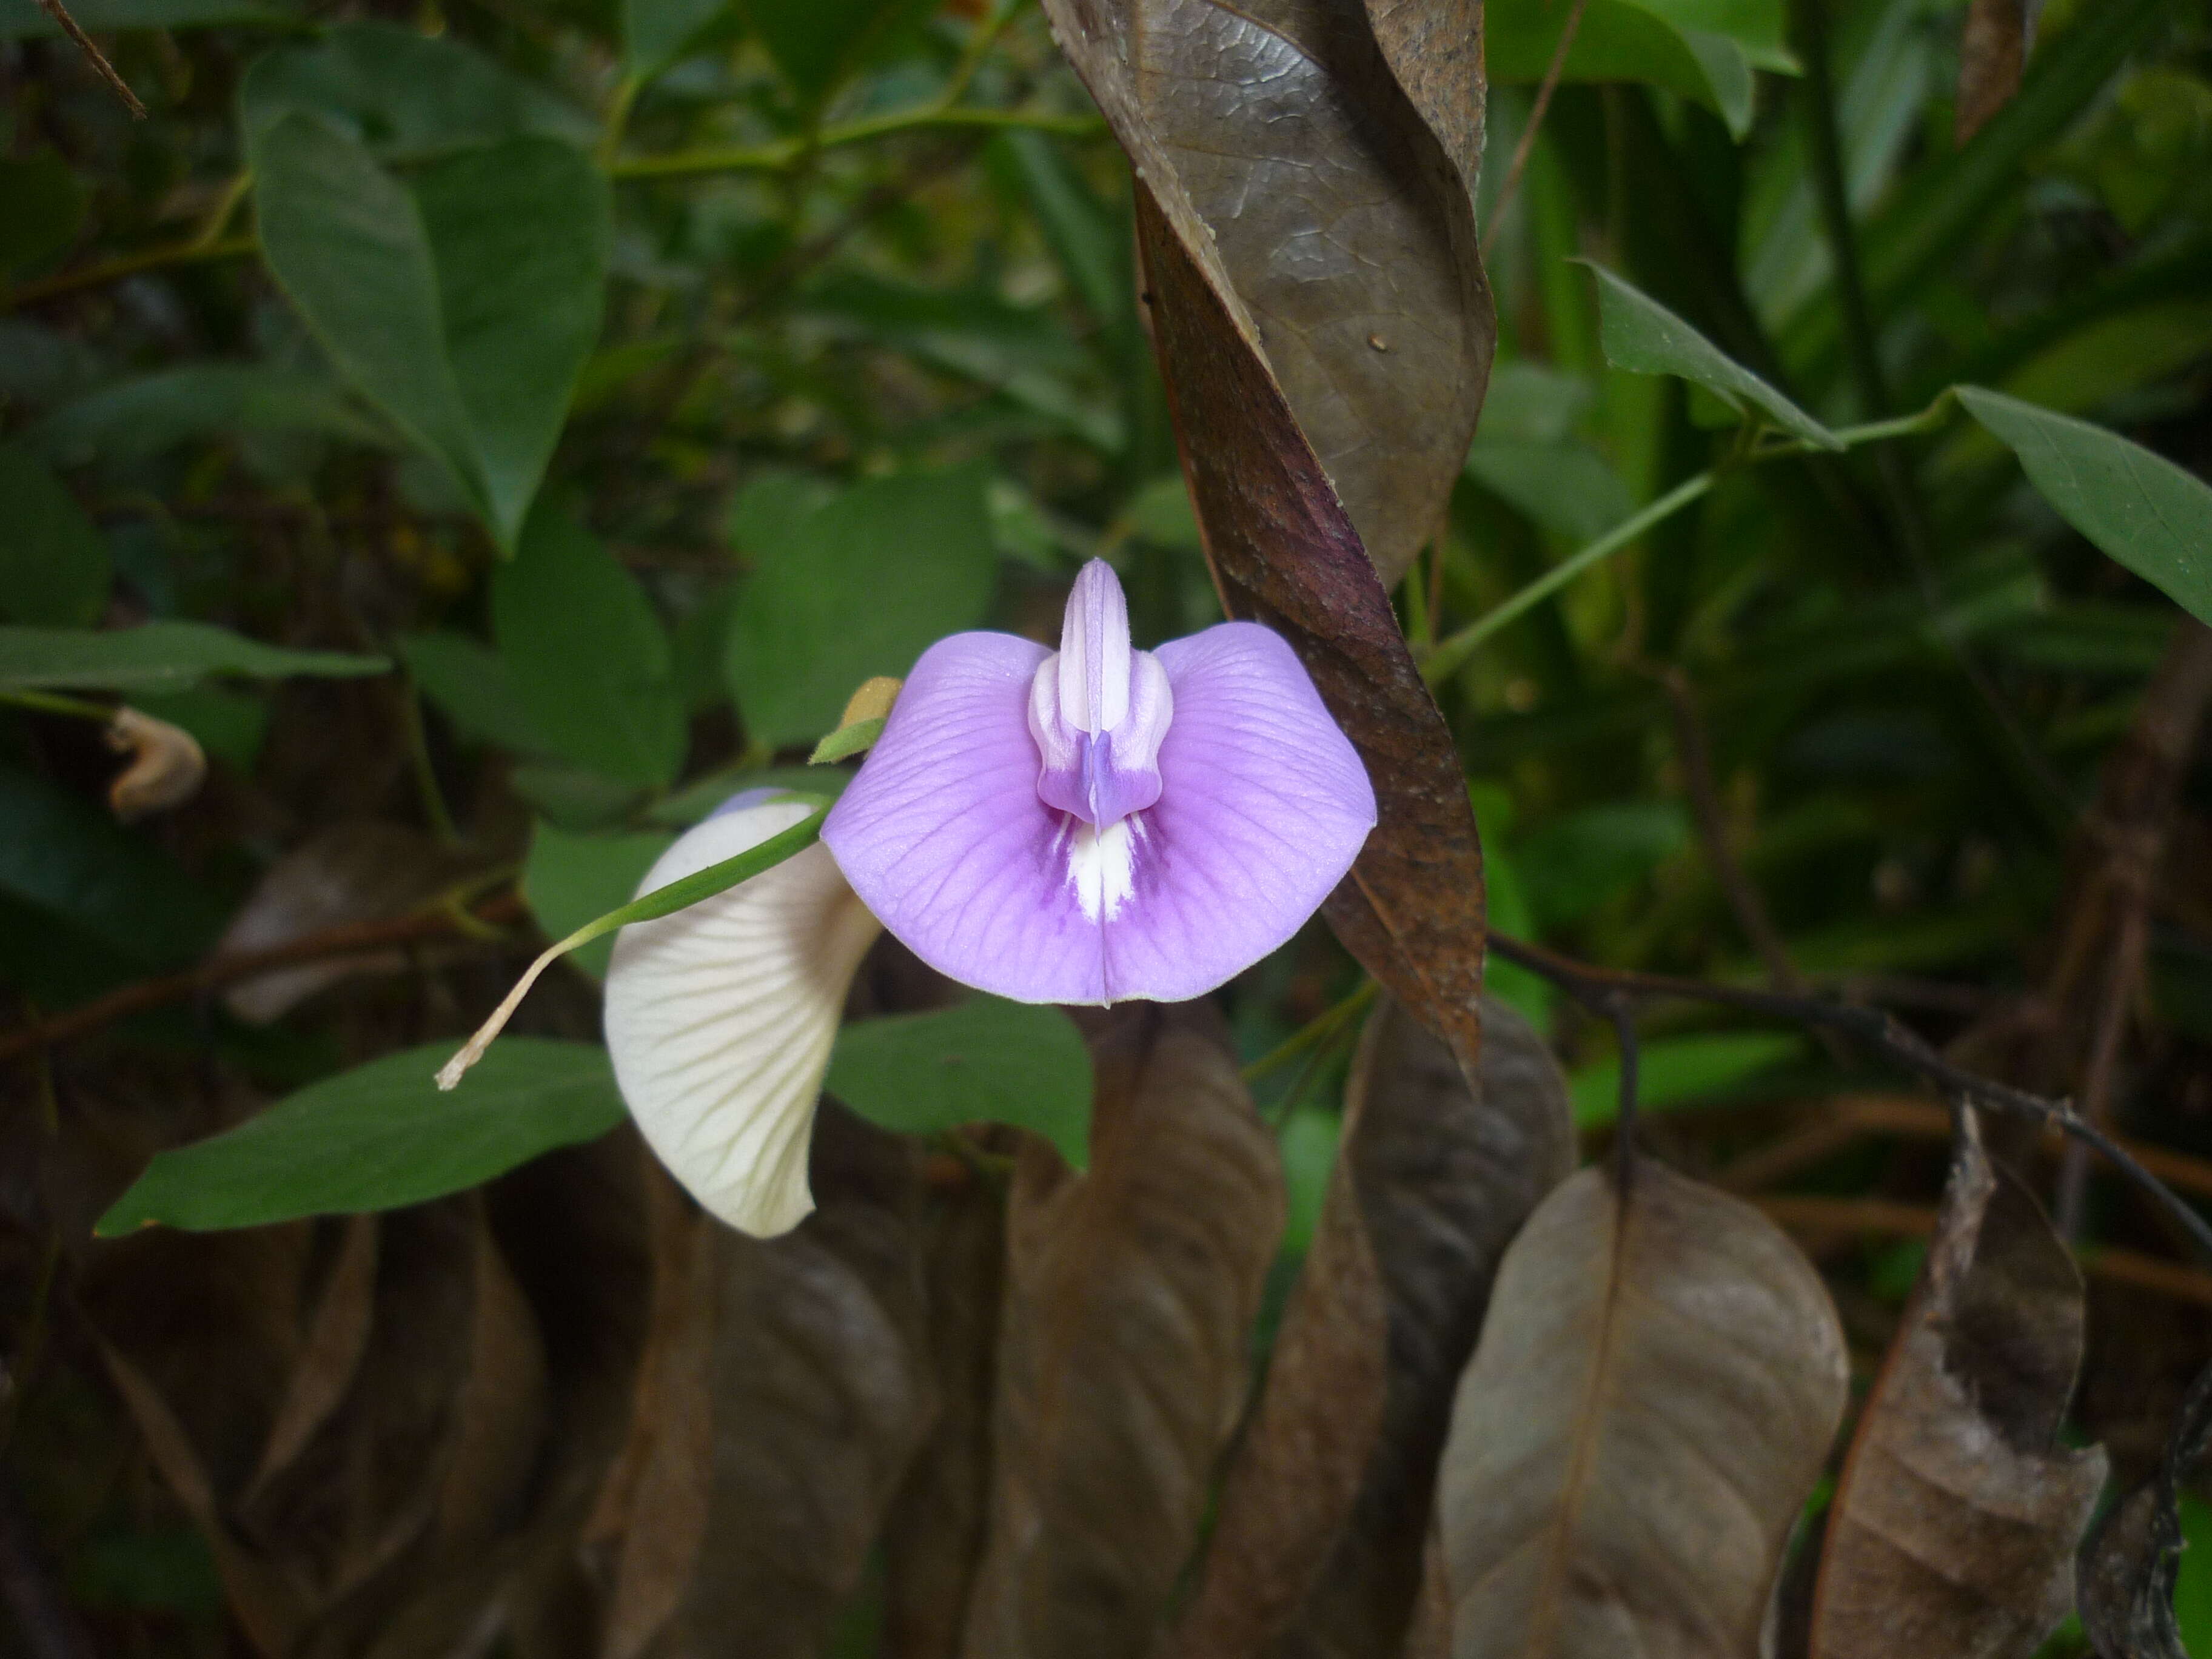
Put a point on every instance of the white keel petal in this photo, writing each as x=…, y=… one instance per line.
x=721, y=1017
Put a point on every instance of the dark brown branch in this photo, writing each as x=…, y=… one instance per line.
x=350, y=939
x=69, y=26
x=1872, y=1029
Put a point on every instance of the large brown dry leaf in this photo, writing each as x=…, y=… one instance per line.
x=1954, y=1524
x=655, y=1496
x=1326, y=1508
x=935, y=1534
x=821, y=1389
x=1658, y=1381
x=1332, y=209
x=1292, y=200
x=1123, y=1354
x=337, y=1338
x=347, y=873
x=1284, y=555
x=2129, y=1564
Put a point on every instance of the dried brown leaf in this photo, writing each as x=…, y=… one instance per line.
x=1992, y=51
x=499, y=1417
x=331, y=1354
x=1955, y=1522
x=270, y=1603
x=1123, y=1355
x=1659, y=1378
x=822, y=1390
x=934, y=1534
x=1325, y=1512
x=166, y=765
x=655, y=1496
x=350, y=872
x=1333, y=208
x=1284, y=554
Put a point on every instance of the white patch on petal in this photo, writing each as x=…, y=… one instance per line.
x=720, y=1018
x=1102, y=866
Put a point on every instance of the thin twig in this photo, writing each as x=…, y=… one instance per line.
x=69, y=26
x=1872, y=1028
x=349, y=940
x=194, y=253
x=1528, y=143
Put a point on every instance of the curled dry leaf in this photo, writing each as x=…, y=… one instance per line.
x=1289, y=182
x=1124, y=1348
x=1320, y=161
x=348, y=872
x=166, y=765
x=655, y=1495
x=1321, y=1537
x=1659, y=1378
x=935, y=1534
x=820, y=1391
x=1992, y=52
x=1954, y=1524
x=337, y=1338
x=2130, y=1562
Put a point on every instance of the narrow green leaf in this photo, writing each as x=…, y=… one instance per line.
x=860, y=588
x=1565, y=487
x=846, y=741
x=162, y=656
x=987, y=1060
x=378, y=1137
x=1620, y=40
x=820, y=43
x=133, y=419
x=656, y=31
x=463, y=308
x=53, y=563
x=590, y=658
x=402, y=94
x=346, y=243
x=519, y=236
x=1642, y=336
x=471, y=685
x=570, y=880
x=2139, y=508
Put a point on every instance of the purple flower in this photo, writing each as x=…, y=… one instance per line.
x=1100, y=824
x=1089, y=825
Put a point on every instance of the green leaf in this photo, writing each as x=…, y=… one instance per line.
x=2140, y=509
x=378, y=1137
x=1567, y=488
x=463, y=308
x=471, y=685
x=228, y=724
x=819, y=44
x=26, y=20
x=136, y=418
x=53, y=563
x=162, y=656
x=401, y=94
x=1577, y=862
x=1642, y=336
x=1622, y=40
x=860, y=588
x=694, y=801
x=42, y=205
x=656, y=31
x=847, y=741
x=568, y=879
x=1089, y=239
x=985, y=1061
x=60, y=855
x=583, y=646
x=1678, y=1072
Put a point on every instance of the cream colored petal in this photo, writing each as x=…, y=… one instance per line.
x=720, y=1018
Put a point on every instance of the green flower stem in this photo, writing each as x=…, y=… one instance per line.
x=1321, y=1028
x=660, y=902
x=1440, y=663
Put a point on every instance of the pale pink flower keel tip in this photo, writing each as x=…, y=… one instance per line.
x=1093, y=825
